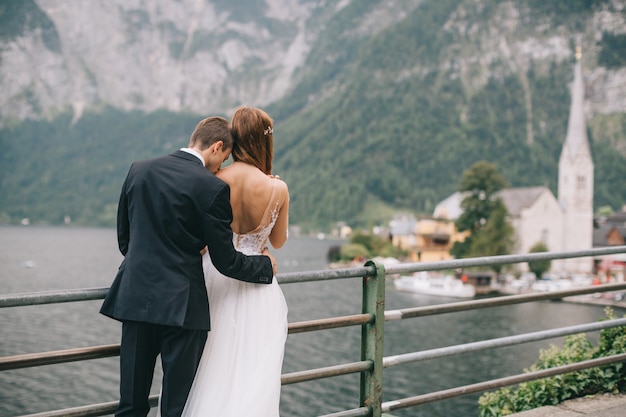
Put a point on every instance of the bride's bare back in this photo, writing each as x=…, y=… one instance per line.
x=254, y=198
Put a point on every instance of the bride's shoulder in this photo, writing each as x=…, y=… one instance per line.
x=224, y=172
x=280, y=185
x=231, y=174
x=281, y=189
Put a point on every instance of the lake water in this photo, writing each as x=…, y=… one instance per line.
x=54, y=258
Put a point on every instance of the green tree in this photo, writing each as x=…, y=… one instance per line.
x=605, y=211
x=496, y=237
x=367, y=240
x=480, y=184
x=539, y=267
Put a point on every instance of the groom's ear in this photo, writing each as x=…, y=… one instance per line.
x=217, y=146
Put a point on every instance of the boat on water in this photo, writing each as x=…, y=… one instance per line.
x=549, y=283
x=425, y=283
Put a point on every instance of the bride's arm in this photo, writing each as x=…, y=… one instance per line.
x=279, y=233
x=267, y=253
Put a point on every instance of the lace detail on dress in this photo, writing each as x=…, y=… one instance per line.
x=252, y=243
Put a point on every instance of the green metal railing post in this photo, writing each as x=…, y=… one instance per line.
x=372, y=340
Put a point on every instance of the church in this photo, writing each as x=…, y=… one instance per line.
x=562, y=223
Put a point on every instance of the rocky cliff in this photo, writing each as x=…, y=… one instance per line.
x=195, y=55
x=208, y=56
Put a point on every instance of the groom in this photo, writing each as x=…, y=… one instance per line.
x=170, y=208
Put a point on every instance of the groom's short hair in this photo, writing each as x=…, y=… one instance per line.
x=210, y=130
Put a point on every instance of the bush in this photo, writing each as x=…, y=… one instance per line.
x=364, y=246
x=554, y=390
x=354, y=251
x=539, y=267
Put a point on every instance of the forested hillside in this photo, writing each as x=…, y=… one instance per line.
x=377, y=121
x=51, y=170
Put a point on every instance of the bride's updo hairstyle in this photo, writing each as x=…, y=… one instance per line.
x=253, y=138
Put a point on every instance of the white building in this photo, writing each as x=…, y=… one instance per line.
x=563, y=224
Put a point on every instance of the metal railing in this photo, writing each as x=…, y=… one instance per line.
x=371, y=319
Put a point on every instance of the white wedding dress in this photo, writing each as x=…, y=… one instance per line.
x=240, y=368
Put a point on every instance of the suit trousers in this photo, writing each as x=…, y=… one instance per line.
x=180, y=349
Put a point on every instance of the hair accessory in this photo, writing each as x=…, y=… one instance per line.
x=268, y=131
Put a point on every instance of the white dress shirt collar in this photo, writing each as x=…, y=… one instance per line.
x=193, y=152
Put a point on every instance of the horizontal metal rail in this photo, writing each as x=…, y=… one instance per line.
x=52, y=297
x=355, y=412
x=58, y=356
x=330, y=323
x=98, y=352
x=327, y=274
x=93, y=410
x=484, y=261
x=407, y=313
x=319, y=373
x=87, y=294
x=500, y=342
x=499, y=383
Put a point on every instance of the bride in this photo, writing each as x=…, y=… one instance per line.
x=239, y=373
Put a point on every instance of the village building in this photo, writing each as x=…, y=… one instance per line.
x=610, y=231
x=426, y=239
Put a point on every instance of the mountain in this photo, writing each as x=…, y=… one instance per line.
x=202, y=56
x=379, y=105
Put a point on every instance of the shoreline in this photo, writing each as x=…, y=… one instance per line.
x=595, y=300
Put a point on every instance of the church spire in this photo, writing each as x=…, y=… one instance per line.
x=576, y=179
x=576, y=140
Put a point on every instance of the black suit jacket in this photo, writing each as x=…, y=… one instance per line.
x=169, y=209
